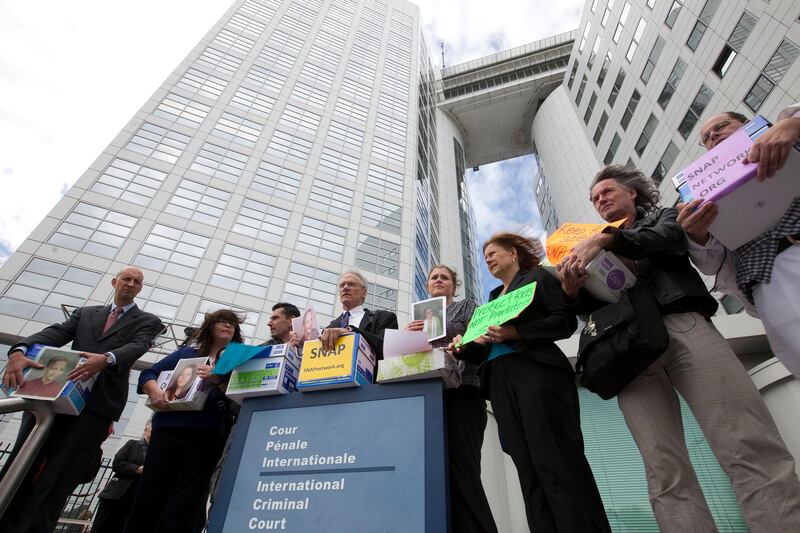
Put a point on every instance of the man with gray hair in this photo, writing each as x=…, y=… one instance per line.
x=356, y=318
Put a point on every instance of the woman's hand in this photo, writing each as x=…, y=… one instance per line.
x=158, y=399
x=416, y=325
x=504, y=333
x=572, y=276
x=294, y=341
x=204, y=371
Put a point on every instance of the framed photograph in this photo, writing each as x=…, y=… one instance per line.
x=306, y=325
x=184, y=380
x=433, y=313
x=48, y=382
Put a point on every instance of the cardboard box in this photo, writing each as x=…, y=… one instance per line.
x=72, y=396
x=608, y=277
x=421, y=365
x=263, y=375
x=195, y=397
x=747, y=208
x=350, y=363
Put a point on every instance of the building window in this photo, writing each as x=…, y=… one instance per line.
x=593, y=53
x=238, y=129
x=589, y=108
x=322, y=239
x=172, y=251
x=380, y=297
x=43, y=286
x=607, y=13
x=652, y=59
x=243, y=270
x=199, y=202
x=696, y=109
x=614, y=93
x=261, y=221
x=309, y=285
x=672, y=83
x=198, y=82
x=161, y=302
x=601, y=77
x=330, y=197
x=584, y=36
x=385, y=179
x=252, y=101
x=663, y=166
x=626, y=9
x=630, y=110
x=287, y=147
x=185, y=111
x=651, y=3
x=129, y=181
x=734, y=45
x=674, y=10
x=340, y=166
x=378, y=255
x=218, y=162
x=702, y=23
x=581, y=88
x=221, y=62
x=612, y=150
x=280, y=182
x=381, y=214
x=94, y=230
x=572, y=74
x=598, y=133
x=647, y=134
x=637, y=36
x=594, y=6
x=772, y=74
x=157, y=142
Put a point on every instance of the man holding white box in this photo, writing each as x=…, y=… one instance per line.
x=110, y=338
x=765, y=272
x=356, y=318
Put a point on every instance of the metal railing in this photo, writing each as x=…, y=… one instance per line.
x=43, y=412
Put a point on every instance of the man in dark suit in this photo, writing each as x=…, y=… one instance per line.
x=116, y=499
x=111, y=338
x=356, y=318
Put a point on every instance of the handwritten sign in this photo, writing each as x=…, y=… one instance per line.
x=498, y=311
x=564, y=239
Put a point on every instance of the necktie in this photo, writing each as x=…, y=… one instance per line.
x=112, y=318
x=344, y=321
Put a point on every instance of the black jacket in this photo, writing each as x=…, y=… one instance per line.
x=129, y=338
x=658, y=245
x=546, y=320
x=126, y=461
x=372, y=327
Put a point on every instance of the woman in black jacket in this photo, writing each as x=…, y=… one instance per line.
x=531, y=385
x=699, y=364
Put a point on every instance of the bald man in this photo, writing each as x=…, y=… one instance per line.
x=111, y=338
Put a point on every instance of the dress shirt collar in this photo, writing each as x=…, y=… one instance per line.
x=356, y=315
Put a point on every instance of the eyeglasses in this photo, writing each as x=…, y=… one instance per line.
x=225, y=321
x=716, y=129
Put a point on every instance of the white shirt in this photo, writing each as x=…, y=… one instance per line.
x=356, y=315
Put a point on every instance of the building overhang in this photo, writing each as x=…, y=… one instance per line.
x=493, y=99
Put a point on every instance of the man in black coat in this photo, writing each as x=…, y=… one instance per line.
x=116, y=499
x=356, y=318
x=111, y=338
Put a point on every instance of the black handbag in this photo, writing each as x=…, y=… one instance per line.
x=620, y=340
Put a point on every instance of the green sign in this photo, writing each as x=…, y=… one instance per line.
x=498, y=311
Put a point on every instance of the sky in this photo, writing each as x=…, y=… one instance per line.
x=73, y=73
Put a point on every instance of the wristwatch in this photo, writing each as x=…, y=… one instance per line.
x=110, y=359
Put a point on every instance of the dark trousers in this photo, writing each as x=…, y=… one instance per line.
x=63, y=463
x=111, y=514
x=173, y=490
x=466, y=424
x=536, y=408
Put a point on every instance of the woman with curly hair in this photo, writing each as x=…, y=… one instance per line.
x=185, y=445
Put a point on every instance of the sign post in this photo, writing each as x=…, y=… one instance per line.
x=357, y=460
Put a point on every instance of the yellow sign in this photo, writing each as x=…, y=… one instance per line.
x=320, y=364
x=564, y=239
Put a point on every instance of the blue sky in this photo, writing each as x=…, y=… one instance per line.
x=73, y=73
